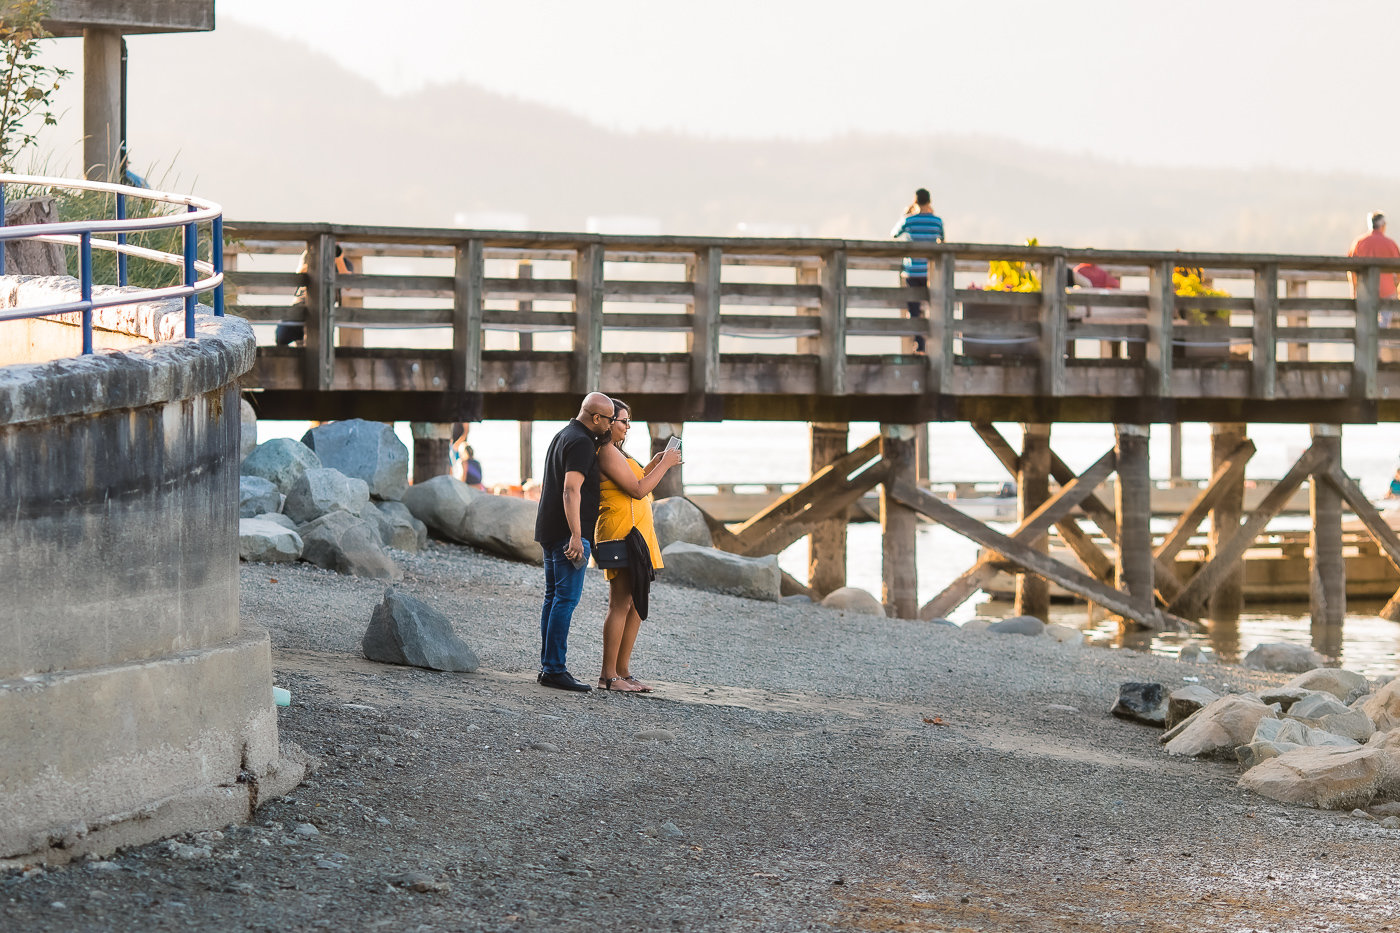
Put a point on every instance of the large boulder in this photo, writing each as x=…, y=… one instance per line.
x=404, y=630
x=256, y=496
x=707, y=568
x=1312, y=708
x=280, y=461
x=1344, y=685
x=853, y=599
x=501, y=524
x=324, y=490
x=1018, y=625
x=1142, y=702
x=1217, y=730
x=679, y=519
x=1065, y=634
x=1324, y=711
x=1330, y=778
x=1282, y=657
x=367, y=450
x=262, y=540
x=1384, y=706
x=1295, y=732
x=341, y=542
x=1285, y=697
x=1186, y=700
x=248, y=426
x=378, y=521
x=277, y=518
x=406, y=533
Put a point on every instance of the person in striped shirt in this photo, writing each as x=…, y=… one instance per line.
x=918, y=223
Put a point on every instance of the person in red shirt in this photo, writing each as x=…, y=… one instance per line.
x=1094, y=276
x=1376, y=245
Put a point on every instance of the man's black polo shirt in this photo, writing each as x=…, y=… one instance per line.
x=573, y=450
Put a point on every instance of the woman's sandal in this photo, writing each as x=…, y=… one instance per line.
x=607, y=684
x=635, y=682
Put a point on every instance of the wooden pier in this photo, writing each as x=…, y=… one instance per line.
x=1290, y=343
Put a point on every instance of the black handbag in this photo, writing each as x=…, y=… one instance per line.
x=612, y=555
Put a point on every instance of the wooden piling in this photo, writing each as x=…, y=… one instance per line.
x=1327, y=590
x=826, y=545
x=1133, y=492
x=1176, y=474
x=1227, y=600
x=672, y=484
x=526, y=270
x=1032, y=489
x=898, y=525
x=432, y=450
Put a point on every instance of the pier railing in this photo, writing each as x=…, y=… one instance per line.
x=1141, y=353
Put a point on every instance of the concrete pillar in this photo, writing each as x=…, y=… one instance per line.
x=432, y=450
x=1227, y=602
x=102, y=102
x=672, y=484
x=1133, y=492
x=1327, y=589
x=826, y=545
x=898, y=526
x=1032, y=489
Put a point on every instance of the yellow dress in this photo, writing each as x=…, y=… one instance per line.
x=618, y=513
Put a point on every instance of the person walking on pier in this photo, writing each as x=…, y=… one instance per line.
x=564, y=527
x=1375, y=245
x=918, y=223
x=626, y=547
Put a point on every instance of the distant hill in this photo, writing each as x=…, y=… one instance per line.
x=296, y=137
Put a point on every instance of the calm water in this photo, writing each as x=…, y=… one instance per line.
x=776, y=452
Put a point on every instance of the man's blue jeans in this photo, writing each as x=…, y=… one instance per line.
x=563, y=585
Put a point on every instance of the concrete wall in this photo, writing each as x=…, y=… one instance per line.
x=132, y=703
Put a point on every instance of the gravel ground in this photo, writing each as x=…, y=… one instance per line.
x=806, y=786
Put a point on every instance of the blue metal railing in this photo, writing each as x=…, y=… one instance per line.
x=81, y=234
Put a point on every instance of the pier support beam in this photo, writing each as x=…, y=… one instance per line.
x=898, y=525
x=672, y=484
x=1227, y=600
x=432, y=450
x=826, y=545
x=1134, y=510
x=526, y=270
x=1032, y=490
x=1327, y=590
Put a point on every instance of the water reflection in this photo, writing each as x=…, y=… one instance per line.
x=1364, y=643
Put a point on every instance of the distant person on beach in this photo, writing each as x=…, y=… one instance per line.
x=295, y=334
x=465, y=466
x=918, y=223
x=1394, y=491
x=1088, y=275
x=564, y=527
x=626, y=548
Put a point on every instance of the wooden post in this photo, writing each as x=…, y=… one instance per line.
x=346, y=336
x=1327, y=585
x=432, y=450
x=921, y=454
x=1053, y=326
x=704, y=347
x=1265, y=344
x=1032, y=489
x=831, y=372
x=1366, y=352
x=673, y=483
x=898, y=525
x=1134, y=509
x=588, y=319
x=525, y=270
x=1176, y=476
x=826, y=545
x=809, y=275
x=318, y=372
x=1227, y=600
x=1161, y=317
x=468, y=271
x=1297, y=352
x=938, y=347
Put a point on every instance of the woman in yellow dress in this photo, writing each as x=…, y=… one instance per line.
x=624, y=522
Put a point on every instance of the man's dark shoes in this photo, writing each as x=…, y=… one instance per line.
x=563, y=681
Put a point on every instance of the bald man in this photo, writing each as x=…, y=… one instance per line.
x=564, y=528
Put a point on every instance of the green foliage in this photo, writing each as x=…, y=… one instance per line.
x=26, y=86
x=1003, y=276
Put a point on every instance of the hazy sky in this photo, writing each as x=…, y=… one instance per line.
x=1237, y=83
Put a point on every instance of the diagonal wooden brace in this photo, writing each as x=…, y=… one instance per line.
x=1192, y=596
x=1089, y=553
x=1033, y=561
x=1029, y=532
x=1231, y=469
x=1381, y=533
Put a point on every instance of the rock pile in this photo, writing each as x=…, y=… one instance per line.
x=293, y=505
x=500, y=524
x=1328, y=738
